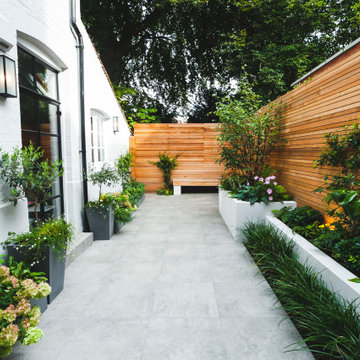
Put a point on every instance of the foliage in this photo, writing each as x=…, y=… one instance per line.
x=122, y=208
x=21, y=271
x=106, y=176
x=262, y=190
x=300, y=216
x=17, y=320
x=137, y=106
x=55, y=233
x=123, y=166
x=166, y=164
x=329, y=324
x=175, y=48
x=135, y=190
x=231, y=183
x=27, y=172
x=334, y=239
x=247, y=135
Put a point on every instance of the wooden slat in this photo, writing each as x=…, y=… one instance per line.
x=323, y=105
x=196, y=144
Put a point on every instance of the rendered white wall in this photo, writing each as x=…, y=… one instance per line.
x=43, y=28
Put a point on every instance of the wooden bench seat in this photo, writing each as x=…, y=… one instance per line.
x=178, y=183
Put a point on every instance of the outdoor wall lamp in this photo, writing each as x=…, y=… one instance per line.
x=116, y=124
x=7, y=77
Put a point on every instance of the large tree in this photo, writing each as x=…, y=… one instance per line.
x=174, y=48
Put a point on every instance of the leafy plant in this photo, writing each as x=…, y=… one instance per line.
x=122, y=208
x=18, y=320
x=262, y=190
x=247, y=133
x=123, y=166
x=106, y=176
x=300, y=216
x=55, y=233
x=135, y=190
x=28, y=173
x=166, y=164
x=329, y=324
x=21, y=271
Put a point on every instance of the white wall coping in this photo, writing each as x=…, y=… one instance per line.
x=335, y=275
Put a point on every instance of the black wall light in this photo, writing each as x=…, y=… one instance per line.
x=116, y=124
x=7, y=77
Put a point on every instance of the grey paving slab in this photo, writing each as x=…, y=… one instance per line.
x=172, y=285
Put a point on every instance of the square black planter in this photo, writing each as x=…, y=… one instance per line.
x=101, y=223
x=53, y=268
x=118, y=226
x=41, y=303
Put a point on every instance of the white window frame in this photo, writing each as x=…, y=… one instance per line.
x=97, y=145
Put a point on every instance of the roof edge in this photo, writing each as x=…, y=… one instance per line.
x=331, y=58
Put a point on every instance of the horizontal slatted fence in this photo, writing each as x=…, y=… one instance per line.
x=196, y=144
x=330, y=100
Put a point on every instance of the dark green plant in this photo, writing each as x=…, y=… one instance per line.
x=329, y=324
x=135, y=190
x=28, y=174
x=21, y=271
x=231, y=183
x=166, y=164
x=300, y=216
x=55, y=233
x=105, y=176
x=247, y=134
x=262, y=190
x=123, y=166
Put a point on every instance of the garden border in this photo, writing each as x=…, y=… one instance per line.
x=335, y=275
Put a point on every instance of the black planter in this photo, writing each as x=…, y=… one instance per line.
x=101, y=223
x=118, y=226
x=53, y=268
x=41, y=303
x=141, y=200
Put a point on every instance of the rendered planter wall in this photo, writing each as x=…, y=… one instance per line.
x=334, y=274
x=237, y=212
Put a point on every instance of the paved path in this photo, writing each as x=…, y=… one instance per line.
x=172, y=285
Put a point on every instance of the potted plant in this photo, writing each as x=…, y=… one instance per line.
x=43, y=249
x=18, y=321
x=28, y=174
x=122, y=210
x=166, y=164
x=247, y=135
x=100, y=213
x=130, y=187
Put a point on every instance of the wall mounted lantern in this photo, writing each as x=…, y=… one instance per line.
x=7, y=77
x=116, y=124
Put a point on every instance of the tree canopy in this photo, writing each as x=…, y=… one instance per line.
x=179, y=49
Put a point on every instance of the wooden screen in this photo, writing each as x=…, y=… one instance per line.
x=330, y=100
x=196, y=144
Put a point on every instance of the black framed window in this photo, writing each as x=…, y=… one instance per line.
x=40, y=120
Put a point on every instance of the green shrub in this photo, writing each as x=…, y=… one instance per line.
x=166, y=164
x=300, y=216
x=55, y=233
x=135, y=190
x=329, y=324
x=123, y=166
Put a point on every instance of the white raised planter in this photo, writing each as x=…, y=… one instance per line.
x=335, y=275
x=237, y=212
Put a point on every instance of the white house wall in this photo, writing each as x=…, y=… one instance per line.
x=42, y=27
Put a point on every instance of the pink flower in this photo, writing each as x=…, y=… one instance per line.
x=261, y=179
x=275, y=183
x=256, y=177
x=267, y=181
x=272, y=177
x=247, y=183
x=270, y=198
x=269, y=191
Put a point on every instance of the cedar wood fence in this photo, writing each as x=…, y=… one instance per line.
x=323, y=104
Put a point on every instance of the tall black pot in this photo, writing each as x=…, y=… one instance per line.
x=101, y=222
x=51, y=265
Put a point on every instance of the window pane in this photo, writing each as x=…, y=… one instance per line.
x=48, y=117
x=46, y=82
x=29, y=137
x=49, y=144
x=27, y=108
x=25, y=70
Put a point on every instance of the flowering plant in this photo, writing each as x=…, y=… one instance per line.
x=18, y=320
x=263, y=190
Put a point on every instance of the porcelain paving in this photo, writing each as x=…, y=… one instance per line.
x=171, y=285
